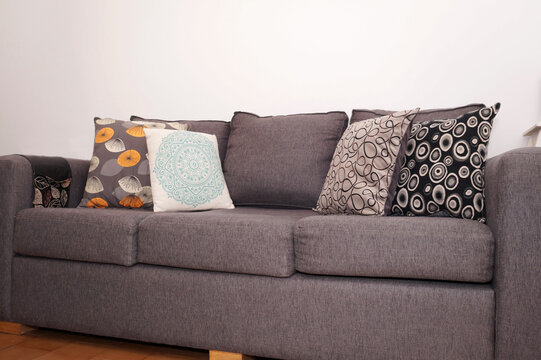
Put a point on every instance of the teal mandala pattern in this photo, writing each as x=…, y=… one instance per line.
x=188, y=168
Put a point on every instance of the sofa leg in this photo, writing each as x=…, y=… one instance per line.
x=14, y=328
x=222, y=355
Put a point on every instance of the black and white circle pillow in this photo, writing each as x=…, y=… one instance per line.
x=444, y=167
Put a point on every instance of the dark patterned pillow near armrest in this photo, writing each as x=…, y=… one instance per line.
x=444, y=167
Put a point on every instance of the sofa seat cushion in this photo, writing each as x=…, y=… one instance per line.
x=246, y=240
x=95, y=235
x=395, y=247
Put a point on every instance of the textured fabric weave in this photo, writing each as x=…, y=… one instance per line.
x=79, y=173
x=397, y=247
x=244, y=240
x=280, y=160
x=16, y=194
x=97, y=235
x=301, y=317
x=513, y=190
x=212, y=127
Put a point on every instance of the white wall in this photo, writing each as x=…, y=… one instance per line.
x=62, y=62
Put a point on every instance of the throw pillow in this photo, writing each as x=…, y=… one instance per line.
x=444, y=167
x=422, y=115
x=185, y=171
x=212, y=127
x=119, y=169
x=360, y=177
x=281, y=160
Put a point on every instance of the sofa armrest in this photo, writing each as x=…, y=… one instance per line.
x=513, y=199
x=16, y=193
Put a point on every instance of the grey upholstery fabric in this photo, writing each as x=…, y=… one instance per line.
x=281, y=160
x=213, y=127
x=79, y=173
x=300, y=317
x=400, y=247
x=242, y=240
x=513, y=200
x=16, y=192
x=423, y=115
x=98, y=235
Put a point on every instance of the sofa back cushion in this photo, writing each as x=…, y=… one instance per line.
x=212, y=127
x=423, y=115
x=281, y=160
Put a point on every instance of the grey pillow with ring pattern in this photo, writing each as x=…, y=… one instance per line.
x=362, y=168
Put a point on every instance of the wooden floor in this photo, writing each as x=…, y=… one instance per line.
x=57, y=345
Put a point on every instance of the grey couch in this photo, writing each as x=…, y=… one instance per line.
x=279, y=282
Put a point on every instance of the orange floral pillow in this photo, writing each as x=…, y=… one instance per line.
x=119, y=174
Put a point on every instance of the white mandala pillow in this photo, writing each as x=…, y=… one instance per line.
x=185, y=171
